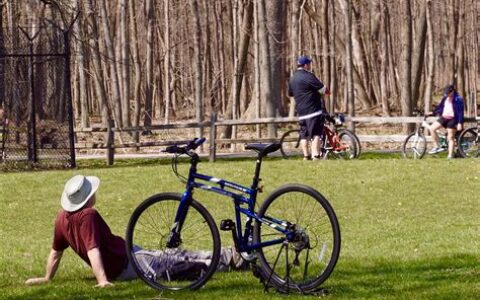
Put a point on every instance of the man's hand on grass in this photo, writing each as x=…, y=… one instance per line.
x=37, y=280
x=104, y=284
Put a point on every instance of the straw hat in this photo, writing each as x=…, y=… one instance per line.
x=78, y=191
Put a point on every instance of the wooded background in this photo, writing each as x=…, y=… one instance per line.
x=140, y=62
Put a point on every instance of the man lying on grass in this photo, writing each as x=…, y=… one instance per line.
x=80, y=226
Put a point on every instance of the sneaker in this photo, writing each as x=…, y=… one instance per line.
x=450, y=157
x=307, y=158
x=316, y=157
x=237, y=262
x=436, y=150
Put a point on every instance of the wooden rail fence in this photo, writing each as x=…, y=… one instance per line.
x=213, y=124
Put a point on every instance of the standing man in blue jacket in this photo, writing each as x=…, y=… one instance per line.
x=307, y=90
x=450, y=112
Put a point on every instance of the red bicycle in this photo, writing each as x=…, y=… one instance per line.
x=337, y=141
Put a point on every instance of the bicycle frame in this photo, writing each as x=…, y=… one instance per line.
x=333, y=139
x=441, y=135
x=246, y=196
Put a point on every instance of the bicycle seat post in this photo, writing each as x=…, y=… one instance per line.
x=256, y=178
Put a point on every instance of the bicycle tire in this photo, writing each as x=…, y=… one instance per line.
x=290, y=143
x=353, y=144
x=146, y=230
x=290, y=203
x=357, y=140
x=414, y=146
x=468, y=142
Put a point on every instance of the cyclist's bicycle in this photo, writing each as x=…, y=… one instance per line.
x=468, y=143
x=336, y=141
x=292, y=241
x=415, y=144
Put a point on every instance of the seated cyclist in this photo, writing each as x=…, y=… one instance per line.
x=450, y=112
x=81, y=227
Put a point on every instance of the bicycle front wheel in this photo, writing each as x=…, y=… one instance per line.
x=468, y=143
x=349, y=146
x=188, y=264
x=290, y=143
x=414, y=146
x=305, y=261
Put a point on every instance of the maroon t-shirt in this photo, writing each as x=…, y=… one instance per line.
x=84, y=230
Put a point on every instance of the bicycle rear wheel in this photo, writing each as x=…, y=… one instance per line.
x=414, y=146
x=191, y=263
x=358, y=144
x=307, y=260
x=468, y=143
x=290, y=143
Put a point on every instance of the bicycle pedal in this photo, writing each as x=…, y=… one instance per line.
x=227, y=225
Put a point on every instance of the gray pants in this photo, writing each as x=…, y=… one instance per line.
x=157, y=261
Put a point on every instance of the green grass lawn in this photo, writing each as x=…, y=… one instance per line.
x=410, y=229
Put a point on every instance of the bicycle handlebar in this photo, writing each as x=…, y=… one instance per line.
x=192, y=145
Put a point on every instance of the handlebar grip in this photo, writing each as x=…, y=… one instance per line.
x=192, y=145
x=195, y=143
x=172, y=149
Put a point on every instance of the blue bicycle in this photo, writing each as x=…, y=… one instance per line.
x=292, y=241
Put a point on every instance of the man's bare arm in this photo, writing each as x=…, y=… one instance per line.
x=53, y=262
x=97, y=267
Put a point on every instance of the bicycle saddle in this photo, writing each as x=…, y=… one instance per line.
x=263, y=149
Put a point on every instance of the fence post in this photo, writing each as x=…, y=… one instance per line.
x=213, y=136
x=110, y=141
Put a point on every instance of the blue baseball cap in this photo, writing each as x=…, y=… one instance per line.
x=448, y=89
x=303, y=60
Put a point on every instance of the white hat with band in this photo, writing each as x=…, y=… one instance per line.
x=78, y=190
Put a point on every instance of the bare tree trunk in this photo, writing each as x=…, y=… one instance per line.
x=333, y=56
x=246, y=32
x=326, y=48
x=147, y=121
x=349, y=62
x=82, y=81
x=208, y=77
x=124, y=62
x=362, y=81
x=453, y=27
x=265, y=67
x=474, y=52
x=166, y=60
x=276, y=24
x=460, y=49
x=197, y=57
x=99, y=79
x=221, y=58
x=115, y=88
x=257, y=84
x=431, y=58
x=295, y=7
x=384, y=61
x=419, y=54
x=406, y=62
x=137, y=69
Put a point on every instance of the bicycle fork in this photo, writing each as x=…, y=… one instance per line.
x=174, y=238
x=416, y=140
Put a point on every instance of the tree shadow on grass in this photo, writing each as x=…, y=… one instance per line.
x=450, y=277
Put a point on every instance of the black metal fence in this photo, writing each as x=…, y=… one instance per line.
x=36, y=98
